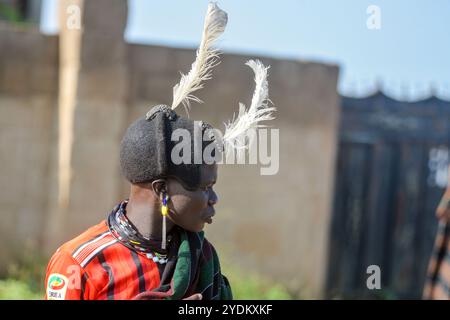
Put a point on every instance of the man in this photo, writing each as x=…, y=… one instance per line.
x=122, y=257
x=152, y=246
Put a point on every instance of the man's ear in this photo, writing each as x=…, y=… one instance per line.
x=159, y=187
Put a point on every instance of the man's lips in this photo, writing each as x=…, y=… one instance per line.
x=208, y=217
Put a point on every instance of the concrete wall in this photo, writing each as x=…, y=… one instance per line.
x=277, y=225
x=28, y=89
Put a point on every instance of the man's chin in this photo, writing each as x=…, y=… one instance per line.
x=197, y=228
x=201, y=227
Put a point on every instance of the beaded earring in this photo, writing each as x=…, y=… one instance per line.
x=164, y=212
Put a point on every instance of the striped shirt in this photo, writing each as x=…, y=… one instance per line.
x=95, y=266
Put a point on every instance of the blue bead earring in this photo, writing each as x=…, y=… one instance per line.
x=164, y=212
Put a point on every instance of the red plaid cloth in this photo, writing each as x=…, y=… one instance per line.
x=438, y=280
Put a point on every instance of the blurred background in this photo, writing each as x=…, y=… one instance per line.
x=363, y=96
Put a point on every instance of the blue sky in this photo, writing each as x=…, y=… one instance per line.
x=407, y=55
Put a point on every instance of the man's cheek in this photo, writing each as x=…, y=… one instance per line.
x=180, y=205
x=201, y=204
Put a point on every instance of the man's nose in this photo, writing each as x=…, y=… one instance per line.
x=213, y=199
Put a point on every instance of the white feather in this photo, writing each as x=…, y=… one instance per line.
x=207, y=58
x=236, y=130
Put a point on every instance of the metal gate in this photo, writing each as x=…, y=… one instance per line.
x=391, y=172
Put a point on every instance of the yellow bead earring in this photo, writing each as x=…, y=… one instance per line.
x=164, y=212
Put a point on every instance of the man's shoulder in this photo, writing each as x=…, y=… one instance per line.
x=83, y=247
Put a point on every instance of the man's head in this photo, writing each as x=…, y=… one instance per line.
x=146, y=161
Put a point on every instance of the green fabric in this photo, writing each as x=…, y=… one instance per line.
x=196, y=252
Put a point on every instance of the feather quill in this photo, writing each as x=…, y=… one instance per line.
x=207, y=58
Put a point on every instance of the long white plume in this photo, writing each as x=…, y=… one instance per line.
x=207, y=58
x=236, y=130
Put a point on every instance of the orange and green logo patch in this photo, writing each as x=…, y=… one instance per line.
x=56, y=282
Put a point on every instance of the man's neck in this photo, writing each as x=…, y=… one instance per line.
x=144, y=213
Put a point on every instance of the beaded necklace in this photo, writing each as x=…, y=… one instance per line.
x=126, y=233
